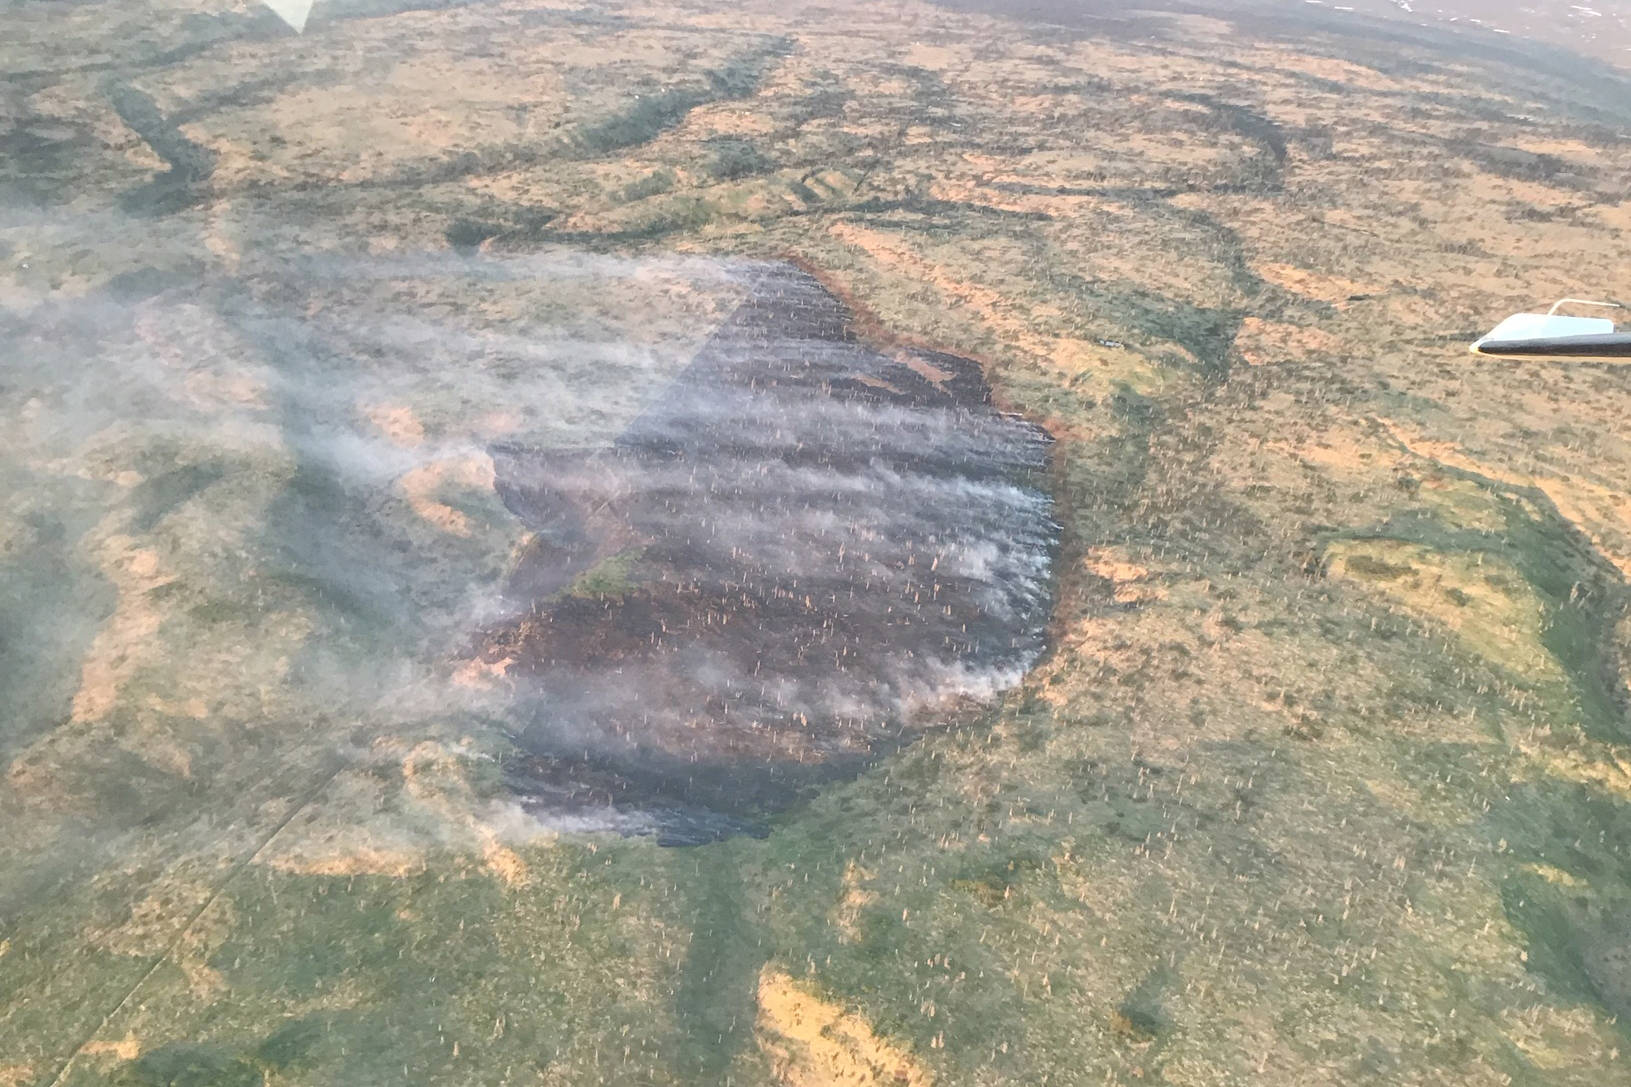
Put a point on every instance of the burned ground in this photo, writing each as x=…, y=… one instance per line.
x=805, y=550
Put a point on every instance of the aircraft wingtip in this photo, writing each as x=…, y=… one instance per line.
x=294, y=13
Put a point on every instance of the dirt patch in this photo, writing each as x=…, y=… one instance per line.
x=1601, y=514
x=1265, y=343
x=124, y=640
x=423, y=487
x=1128, y=579
x=125, y=1049
x=1069, y=355
x=372, y=829
x=813, y=1043
x=1497, y=612
x=397, y=422
x=1311, y=284
x=855, y=897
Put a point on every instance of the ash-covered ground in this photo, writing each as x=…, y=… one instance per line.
x=800, y=553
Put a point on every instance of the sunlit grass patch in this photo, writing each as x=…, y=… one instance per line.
x=612, y=576
x=1483, y=598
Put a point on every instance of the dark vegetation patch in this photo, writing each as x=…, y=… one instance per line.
x=655, y=183
x=259, y=91
x=683, y=213
x=648, y=117
x=1520, y=165
x=651, y=114
x=1584, y=598
x=1377, y=569
x=194, y=1064
x=992, y=883
x=730, y=158
x=473, y=225
x=1207, y=333
x=190, y=165
x=1266, y=172
x=689, y=212
x=184, y=1064
x=466, y=235
x=825, y=98
x=1577, y=936
x=40, y=160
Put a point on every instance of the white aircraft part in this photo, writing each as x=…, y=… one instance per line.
x=1544, y=326
x=293, y=12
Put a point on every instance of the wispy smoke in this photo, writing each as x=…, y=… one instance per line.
x=666, y=524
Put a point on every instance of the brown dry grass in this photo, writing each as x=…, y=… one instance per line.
x=815, y=1043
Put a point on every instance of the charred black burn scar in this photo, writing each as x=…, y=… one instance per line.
x=803, y=553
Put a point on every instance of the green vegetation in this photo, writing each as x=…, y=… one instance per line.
x=1323, y=780
x=734, y=159
x=614, y=575
x=651, y=113
x=655, y=183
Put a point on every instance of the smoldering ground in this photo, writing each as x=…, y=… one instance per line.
x=665, y=532
x=802, y=551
